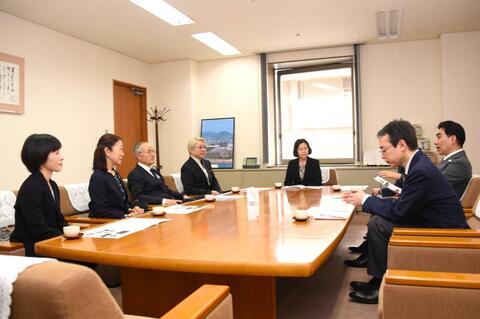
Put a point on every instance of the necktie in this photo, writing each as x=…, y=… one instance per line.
x=154, y=172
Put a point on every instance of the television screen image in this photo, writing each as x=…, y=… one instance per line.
x=220, y=137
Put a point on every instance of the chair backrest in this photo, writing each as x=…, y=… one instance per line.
x=170, y=182
x=471, y=192
x=329, y=176
x=66, y=206
x=58, y=290
x=476, y=207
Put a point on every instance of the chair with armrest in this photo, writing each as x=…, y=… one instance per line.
x=470, y=195
x=331, y=173
x=424, y=295
x=76, y=291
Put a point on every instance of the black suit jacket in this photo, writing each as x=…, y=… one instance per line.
x=194, y=180
x=427, y=199
x=37, y=214
x=149, y=189
x=312, y=177
x=106, y=197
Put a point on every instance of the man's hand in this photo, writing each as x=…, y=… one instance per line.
x=186, y=197
x=354, y=198
x=170, y=202
x=389, y=174
x=215, y=193
x=135, y=211
x=376, y=191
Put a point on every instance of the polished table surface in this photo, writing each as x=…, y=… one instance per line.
x=219, y=244
x=221, y=239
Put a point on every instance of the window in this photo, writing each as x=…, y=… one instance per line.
x=316, y=103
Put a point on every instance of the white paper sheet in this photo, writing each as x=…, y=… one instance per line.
x=182, y=210
x=331, y=207
x=302, y=187
x=349, y=188
x=229, y=197
x=122, y=228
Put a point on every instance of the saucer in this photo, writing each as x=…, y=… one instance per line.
x=301, y=219
x=80, y=235
x=158, y=214
x=237, y=192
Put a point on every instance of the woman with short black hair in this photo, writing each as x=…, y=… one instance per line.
x=37, y=209
x=108, y=194
x=303, y=170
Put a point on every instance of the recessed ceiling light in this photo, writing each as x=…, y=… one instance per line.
x=213, y=41
x=389, y=23
x=164, y=11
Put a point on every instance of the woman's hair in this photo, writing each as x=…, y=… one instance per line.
x=297, y=144
x=106, y=140
x=193, y=141
x=36, y=149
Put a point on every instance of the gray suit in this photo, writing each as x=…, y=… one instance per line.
x=457, y=170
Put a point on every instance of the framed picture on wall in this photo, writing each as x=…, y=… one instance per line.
x=220, y=137
x=11, y=84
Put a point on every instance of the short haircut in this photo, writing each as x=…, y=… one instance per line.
x=297, y=144
x=193, y=141
x=400, y=130
x=106, y=140
x=36, y=149
x=137, y=147
x=453, y=128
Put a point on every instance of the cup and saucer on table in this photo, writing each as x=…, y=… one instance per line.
x=278, y=184
x=72, y=232
x=235, y=189
x=209, y=198
x=158, y=210
x=301, y=215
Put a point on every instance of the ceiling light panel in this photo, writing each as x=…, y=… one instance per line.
x=164, y=11
x=213, y=41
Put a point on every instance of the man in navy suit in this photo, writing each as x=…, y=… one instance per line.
x=427, y=200
x=146, y=183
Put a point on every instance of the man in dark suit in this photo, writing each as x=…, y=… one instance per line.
x=427, y=200
x=455, y=165
x=197, y=173
x=146, y=183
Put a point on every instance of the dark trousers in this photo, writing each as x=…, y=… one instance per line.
x=379, y=232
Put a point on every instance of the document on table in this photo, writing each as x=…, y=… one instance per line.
x=182, y=210
x=349, y=188
x=302, y=187
x=229, y=197
x=122, y=228
x=331, y=207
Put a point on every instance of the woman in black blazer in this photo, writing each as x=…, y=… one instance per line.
x=108, y=194
x=197, y=173
x=303, y=170
x=37, y=209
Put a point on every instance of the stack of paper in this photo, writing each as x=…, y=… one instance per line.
x=181, y=209
x=302, y=187
x=350, y=188
x=331, y=207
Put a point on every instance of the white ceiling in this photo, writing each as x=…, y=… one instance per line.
x=252, y=26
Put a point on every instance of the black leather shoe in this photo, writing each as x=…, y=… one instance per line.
x=368, y=297
x=373, y=283
x=360, y=262
x=359, y=249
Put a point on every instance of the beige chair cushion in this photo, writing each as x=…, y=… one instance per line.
x=224, y=310
x=434, y=259
x=170, y=182
x=57, y=290
x=66, y=206
x=408, y=302
x=332, y=179
x=471, y=192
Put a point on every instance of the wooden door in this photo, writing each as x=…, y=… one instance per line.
x=130, y=116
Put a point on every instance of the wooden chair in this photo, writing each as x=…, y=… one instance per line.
x=332, y=176
x=470, y=195
x=58, y=290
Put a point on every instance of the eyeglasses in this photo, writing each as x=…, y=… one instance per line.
x=201, y=147
x=384, y=149
x=149, y=152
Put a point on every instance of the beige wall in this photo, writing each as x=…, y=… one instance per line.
x=400, y=80
x=461, y=94
x=68, y=86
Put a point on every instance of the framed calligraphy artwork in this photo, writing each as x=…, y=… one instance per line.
x=12, y=71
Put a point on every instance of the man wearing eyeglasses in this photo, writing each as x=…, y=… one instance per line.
x=145, y=181
x=427, y=200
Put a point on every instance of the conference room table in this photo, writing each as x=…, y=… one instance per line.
x=231, y=242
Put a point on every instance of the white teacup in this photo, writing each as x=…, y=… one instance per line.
x=301, y=214
x=71, y=231
x=235, y=189
x=210, y=198
x=336, y=187
x=158, y=210
x=278, y=184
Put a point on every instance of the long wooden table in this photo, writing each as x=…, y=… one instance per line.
x=224, y=243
